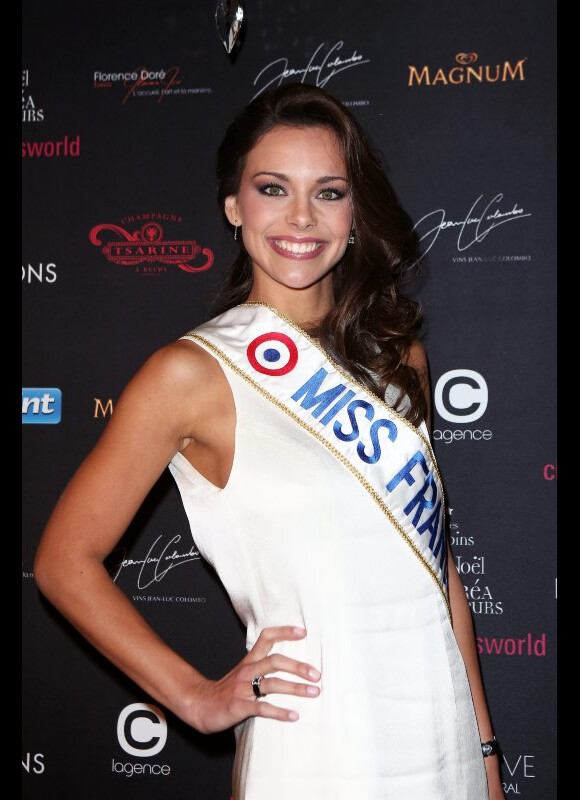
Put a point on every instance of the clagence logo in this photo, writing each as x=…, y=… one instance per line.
x=142, y=729
x=461, y=396
x=142, y=732
x=41, y=406
x=146, y=247
x=466, y=70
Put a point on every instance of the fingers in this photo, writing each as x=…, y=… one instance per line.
x=269, y=636
x=259, y=662
x=279, y=663
x=279, y=686
x=263, y=663
x=223, y=703
x=264, y=709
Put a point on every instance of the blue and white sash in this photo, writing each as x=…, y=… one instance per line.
x=391, y=458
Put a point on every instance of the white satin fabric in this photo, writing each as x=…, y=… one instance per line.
x=296, y=540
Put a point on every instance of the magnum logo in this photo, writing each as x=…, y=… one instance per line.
x=146, y=246
x=467, y=72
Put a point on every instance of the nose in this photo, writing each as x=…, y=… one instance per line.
x=300, y=212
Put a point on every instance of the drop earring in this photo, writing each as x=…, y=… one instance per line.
x=351, y=238
x=235, y=233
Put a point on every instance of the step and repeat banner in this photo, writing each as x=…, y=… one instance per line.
x=123, y=250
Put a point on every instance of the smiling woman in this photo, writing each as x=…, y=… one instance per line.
x=295, y=424
x=294, y=186
x=322, y=177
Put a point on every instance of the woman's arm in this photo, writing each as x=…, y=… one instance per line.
x=461, y=615
x=167, y=404
x=95, y=509
x=464, y=633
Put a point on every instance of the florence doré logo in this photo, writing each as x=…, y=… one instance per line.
x=146, y=248
x=466, y=70
x=146, y=82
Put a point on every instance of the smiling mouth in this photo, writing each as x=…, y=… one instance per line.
x=287, y=247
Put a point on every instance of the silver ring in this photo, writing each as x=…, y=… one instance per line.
x=256, y=687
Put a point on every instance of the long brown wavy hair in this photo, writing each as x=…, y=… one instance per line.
x=371, y=327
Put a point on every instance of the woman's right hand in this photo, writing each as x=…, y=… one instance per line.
x=220, y=704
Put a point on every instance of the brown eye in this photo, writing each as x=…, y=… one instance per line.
x=272, y=190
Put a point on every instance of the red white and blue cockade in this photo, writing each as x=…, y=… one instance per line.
x=273, y=354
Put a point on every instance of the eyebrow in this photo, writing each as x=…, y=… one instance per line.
x=282, y=177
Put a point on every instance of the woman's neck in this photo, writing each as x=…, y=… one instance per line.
x=305, y=307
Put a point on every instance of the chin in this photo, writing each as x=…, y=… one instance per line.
x=300, y=283
x=301, y=278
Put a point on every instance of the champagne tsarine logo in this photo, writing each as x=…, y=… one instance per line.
x=147, y=249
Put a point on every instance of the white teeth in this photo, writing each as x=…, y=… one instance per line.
x=297, y=247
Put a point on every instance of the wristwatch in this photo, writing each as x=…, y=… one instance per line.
x=490, y=748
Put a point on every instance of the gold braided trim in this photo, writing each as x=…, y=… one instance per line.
x=343, y=460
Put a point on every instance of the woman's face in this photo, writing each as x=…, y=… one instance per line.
x=293, y=206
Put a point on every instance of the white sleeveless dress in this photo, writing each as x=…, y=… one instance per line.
x=297, y=541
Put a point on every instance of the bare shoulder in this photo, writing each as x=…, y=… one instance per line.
x=417, y=356
x=176, y=388
x=180, y=367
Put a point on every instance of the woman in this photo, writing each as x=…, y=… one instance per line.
x=319, y=503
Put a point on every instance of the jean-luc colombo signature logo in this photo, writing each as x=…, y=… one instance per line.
x=322, y=65
x=160, y=559
x=472, y=228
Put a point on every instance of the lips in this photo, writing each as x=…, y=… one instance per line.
x=297, y=248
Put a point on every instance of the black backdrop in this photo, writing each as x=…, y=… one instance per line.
x=123, y=107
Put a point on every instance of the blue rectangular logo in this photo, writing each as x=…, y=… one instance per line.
x=41, y=406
